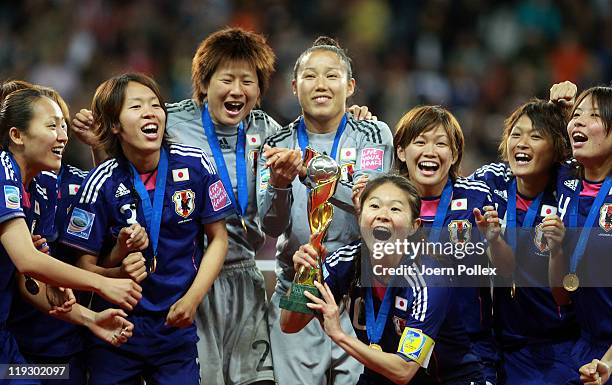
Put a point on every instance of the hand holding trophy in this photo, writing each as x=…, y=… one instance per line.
x=322, y=174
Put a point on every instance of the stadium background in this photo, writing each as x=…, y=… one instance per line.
x=478, y=58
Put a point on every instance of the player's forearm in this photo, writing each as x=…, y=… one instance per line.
x=110, y=272
x=557, y=269
x=389, y=365
x=607, y=358
x=114, y=258
x=209, y=269
x=275, y=210
x=502, y=257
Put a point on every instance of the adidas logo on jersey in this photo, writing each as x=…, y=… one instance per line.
x=572, y=184
x=121, y=191
x=223, y=144
x=502, y=194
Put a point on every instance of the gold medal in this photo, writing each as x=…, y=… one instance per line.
x=376, y=347
x=154, y=264
x=243, y=224
x=571, y=282
x=31, y=285
x=513, y=290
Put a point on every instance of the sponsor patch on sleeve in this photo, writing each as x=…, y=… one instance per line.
x=218, y=196
x=11, y=197
x=372, y=159
x=81, y=223
x=416, y=345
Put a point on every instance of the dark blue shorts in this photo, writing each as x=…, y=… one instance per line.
x=538, y=364
x=9, y=354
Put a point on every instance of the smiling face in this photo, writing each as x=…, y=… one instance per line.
x=591, y=144
x=322, y=85
x=386, y=210
x=142, y=121
x=44, y=140
x=428, y=159
x=232, y=92
x=530, y=153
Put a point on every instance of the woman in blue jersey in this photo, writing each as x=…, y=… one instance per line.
x=429, y=145
x=33, y=139
x=398, y=317
x=174, y=192
x=41, y=338
x=585, y=205
x=534, y=333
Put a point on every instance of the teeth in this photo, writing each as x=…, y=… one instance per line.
x=522, y=156
x=150, y=128
x=429, y=165
x=234, y=106
x=579, y=137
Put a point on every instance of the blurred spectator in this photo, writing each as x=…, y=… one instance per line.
x=478, y=58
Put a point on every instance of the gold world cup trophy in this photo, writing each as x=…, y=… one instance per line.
x=322, y=174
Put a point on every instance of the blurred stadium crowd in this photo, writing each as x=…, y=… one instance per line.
x=479, y=58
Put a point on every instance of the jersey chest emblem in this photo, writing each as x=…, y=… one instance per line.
x=184, y=202
x=347, y=171
x=460, y=231
x=605, y=217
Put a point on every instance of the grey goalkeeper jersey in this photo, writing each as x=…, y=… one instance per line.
x=365, y=147
x=184, y=125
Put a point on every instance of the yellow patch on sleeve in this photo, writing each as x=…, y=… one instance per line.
x=416, y=345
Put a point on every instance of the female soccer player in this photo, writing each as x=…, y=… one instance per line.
x=535, y=334
x=429, y=145
x=585, y=204
x=41, y=338
x=414, y=311
x=322, y=81
x=174, y=192
x=33, y=138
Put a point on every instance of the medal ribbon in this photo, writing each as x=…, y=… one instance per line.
x=590, y=220
x=153, y=213
x=241, y=169
x=445, y=198
x=375, y=325
x=303, y=136
x=530, y=216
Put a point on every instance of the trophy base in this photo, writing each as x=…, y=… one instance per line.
x=296, y=300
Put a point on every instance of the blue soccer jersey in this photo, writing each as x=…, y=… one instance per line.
x=532, y=315
x=194, y=196
x=11, y=207
x=593, y=305
x=38, y=333
x=422, y=302
x=459, y=229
